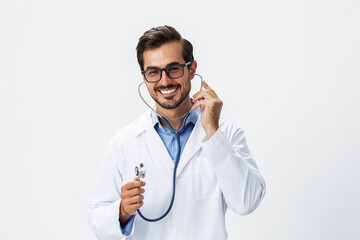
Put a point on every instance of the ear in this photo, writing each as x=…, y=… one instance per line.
x=143, y=77
x=193, y=69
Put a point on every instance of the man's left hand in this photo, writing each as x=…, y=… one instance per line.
x=210, y=106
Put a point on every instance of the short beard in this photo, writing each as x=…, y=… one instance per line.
x=170, y=106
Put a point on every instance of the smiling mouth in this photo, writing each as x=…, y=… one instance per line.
x=167, y=92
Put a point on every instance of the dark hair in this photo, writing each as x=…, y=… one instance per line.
x=158, y=36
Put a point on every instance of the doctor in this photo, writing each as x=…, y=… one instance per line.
x=216, y=171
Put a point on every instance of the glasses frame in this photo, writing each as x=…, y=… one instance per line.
x=166, y=72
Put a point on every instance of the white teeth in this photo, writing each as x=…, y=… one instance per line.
x=167, y=92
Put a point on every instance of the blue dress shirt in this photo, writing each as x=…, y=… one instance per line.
x=168, y=138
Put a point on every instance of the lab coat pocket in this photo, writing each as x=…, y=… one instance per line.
x=205, y=180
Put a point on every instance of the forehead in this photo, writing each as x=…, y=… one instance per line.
x=163, y=55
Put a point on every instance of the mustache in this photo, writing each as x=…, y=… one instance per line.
x=165, y=87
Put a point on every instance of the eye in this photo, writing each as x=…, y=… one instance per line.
x=174, y=68
x=152, y=72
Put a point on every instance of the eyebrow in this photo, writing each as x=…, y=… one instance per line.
x=170, y=64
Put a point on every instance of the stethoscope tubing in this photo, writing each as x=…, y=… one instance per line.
x=177, y=160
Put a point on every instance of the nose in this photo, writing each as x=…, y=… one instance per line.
x=164, y=80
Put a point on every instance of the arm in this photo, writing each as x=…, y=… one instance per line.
x=242, y=185
x=105, y=212
x=240, y=181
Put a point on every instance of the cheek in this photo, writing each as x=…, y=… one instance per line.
x=188, y=83
x=150, y=87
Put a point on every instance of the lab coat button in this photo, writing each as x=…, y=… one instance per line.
x=174, y=136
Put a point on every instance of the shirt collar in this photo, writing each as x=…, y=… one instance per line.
x=194, y=115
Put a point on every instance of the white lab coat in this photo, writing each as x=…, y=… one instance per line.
x=213, y=175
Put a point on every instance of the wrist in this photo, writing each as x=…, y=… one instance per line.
x=211, y=131
x=123, y=216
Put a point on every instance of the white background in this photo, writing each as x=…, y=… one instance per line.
x=287, y=72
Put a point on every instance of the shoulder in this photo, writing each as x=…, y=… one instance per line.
x=132, y=130
x=230, y=129
x=229, y=126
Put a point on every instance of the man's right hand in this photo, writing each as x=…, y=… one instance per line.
x=131, y=199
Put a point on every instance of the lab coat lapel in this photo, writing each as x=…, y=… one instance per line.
x=193, y=145
x=156, y=148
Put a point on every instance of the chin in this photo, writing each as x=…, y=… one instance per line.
x=168, y=105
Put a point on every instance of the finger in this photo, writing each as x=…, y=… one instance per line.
x=208, y=94
x=136, y=206
x=131, y=201
x=134, y=184
x=134, y=199
x=195, y=106
x=197, y=93
x=205, y=85
x=133, y=192
x=131, y=209
x=200, y=103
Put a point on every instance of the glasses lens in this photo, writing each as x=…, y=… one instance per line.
x=153, y=74
x=175, y=71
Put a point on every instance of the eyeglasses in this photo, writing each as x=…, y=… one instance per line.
x=173, y=71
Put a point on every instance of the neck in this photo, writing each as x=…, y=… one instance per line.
x=174, y=116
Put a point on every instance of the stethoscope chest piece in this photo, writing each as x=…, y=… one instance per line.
x=140, y=171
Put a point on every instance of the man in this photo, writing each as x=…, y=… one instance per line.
x=215, y=169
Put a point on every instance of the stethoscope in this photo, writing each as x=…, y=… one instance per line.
x=140, y=171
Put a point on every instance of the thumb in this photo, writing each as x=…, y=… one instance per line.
x=136, y=178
